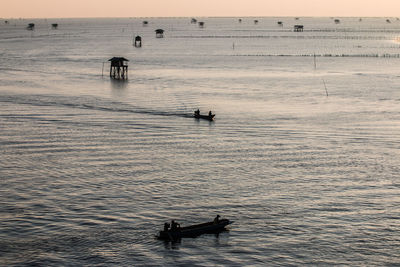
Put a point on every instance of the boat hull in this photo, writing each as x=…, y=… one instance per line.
x=194, y=230
x=204, y=117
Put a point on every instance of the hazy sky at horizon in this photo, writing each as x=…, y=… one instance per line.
x=193, y=8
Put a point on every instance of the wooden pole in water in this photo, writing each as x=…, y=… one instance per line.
x=326, y=90
x=102, y=70
x=315, y=62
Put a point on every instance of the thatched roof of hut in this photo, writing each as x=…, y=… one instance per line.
x=115, y=59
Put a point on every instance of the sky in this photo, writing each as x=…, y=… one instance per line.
x=197, y=8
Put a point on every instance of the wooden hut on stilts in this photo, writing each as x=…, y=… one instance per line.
x=159, y=33
x=298, y=28
x=138, y=41
x=118, y=68
x=30, y=27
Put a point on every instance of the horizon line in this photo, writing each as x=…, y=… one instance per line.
x=139, y=17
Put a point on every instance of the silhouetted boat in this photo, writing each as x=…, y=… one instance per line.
x=205, y=117
x=194, y=230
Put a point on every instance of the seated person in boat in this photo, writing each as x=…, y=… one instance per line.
x=197, y=112
x=166, y=227
x=175, y=226
x=216, y=219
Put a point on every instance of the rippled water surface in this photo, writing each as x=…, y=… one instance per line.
x=303, y=154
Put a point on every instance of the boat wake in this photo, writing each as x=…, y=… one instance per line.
x=89, y=103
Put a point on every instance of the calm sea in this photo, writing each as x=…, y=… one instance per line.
x=304, y=153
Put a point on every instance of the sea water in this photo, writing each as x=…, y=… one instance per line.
x=303, y=155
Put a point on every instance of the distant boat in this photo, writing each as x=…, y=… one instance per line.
x=194, y=230
x=209, y=117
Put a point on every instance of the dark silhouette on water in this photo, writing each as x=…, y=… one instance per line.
x=298, y=28
x=54, y=26
x=138, y=41
x=193, y=21
x=209, y=117
x=159, y=33
x=166, y=227
x=177, y=232
x=216, y=219
x=30, y=27
x=175, y=226
x=118, y=68
x=201, y=24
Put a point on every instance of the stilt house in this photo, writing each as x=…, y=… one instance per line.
x=118, y=68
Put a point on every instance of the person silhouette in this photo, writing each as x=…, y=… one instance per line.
x=216, y=219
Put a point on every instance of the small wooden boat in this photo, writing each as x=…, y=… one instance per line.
x=194, y=230
x=205, y=117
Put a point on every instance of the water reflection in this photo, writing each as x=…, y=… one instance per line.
x=175, y=244
x=118, y=84
x=172, y=245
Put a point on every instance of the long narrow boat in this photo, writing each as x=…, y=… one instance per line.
x=194, y=230
x=205, y=117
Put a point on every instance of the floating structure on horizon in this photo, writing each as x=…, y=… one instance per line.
x=137, y=42
x=255, y=21
x=240, y=20
x=388, y=21
x=6, y=22
x=118, y=68
x=30, y=27
x=193, y=21
x=145, y=23
x=201, y=24
x=159, y=33
x=54, y=26
x=298, y=28
x=280, y=23
x=337, y=21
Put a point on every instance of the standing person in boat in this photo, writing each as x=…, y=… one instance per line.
x=216, y=219
x=209, y=114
